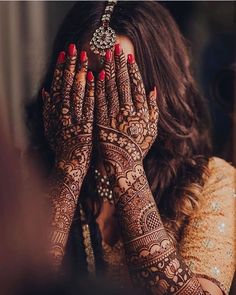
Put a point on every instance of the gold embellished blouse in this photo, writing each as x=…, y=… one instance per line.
x=207, y=244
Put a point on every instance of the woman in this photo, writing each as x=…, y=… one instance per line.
x=135, y=193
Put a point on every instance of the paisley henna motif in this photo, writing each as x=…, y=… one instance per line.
x=153, y=261
x=68, y=121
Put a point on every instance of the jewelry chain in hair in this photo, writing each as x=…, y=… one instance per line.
x=104, y=37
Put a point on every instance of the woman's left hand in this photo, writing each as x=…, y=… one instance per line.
x=126, y=117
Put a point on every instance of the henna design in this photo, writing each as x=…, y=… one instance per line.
x=69, y=131
x=111, y=87
x=152, y=258
x=137, y=87
x=101, y=104
x=78, y=89
x=131, y=130
x=123, y=79
x=57, y=77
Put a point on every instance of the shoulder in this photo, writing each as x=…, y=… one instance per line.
x=217, y=165
x=208, y=240
x=219, y=177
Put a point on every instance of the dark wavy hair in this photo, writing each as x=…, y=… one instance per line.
x=178, y=159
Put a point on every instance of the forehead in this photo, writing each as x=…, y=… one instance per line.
x=93, y=59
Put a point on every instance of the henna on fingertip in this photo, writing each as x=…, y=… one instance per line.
x=102, y=117
x=89, y=101
x=122, y=78
x=153, y=106
x=79, y=86
x=69, y=71
x=136, y=85
x=57, y=76
x=111, y=86
x=47, y=112
x=67, y=83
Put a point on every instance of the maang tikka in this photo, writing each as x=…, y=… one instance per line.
x=104, y=37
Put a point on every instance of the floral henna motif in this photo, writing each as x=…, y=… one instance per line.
x=152, y=258
x=131, y=130
x=68, y=122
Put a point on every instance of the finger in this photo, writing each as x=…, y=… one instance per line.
x=78, y=88
x=122, y=78
x=69, y=67
x=55, y=90
x=68, y=78
x=47, y=112
x=137, y=86
x=88, y=105
x=101, y=103
x=110, y=85
x=153, y=107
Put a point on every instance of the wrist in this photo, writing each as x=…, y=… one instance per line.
x=125, y=176
x=70, y=172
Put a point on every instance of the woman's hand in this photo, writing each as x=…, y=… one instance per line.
x=68, y=113
x=68, y=121
x=127, y=122
x=126, y=117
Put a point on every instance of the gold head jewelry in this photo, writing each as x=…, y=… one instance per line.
x=104, y=37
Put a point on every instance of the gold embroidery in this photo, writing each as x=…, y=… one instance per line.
x=209, y=249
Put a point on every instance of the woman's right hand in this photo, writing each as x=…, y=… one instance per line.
x=68, y=114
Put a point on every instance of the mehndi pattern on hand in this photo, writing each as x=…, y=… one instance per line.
x=68, y=122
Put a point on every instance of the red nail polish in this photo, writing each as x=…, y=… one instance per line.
x=130, y=58
x=108, y=55
x=72, y=49
x=117, y=49
x=90, y=76
x=102, y=75
x=83, y=56
x=61, y=57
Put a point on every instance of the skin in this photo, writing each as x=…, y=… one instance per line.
x=122, y=109
x=69, y=132
x=107, y=220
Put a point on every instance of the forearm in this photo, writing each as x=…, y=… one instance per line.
x=152, y=258
x=64, y=191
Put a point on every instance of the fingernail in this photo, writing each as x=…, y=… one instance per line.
x=117, y=49
x=108, y=55
x=83, y=56
x=130, y=58
x=102, y=75
x=90, y=76
x=71, y=49
x=61, y=57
